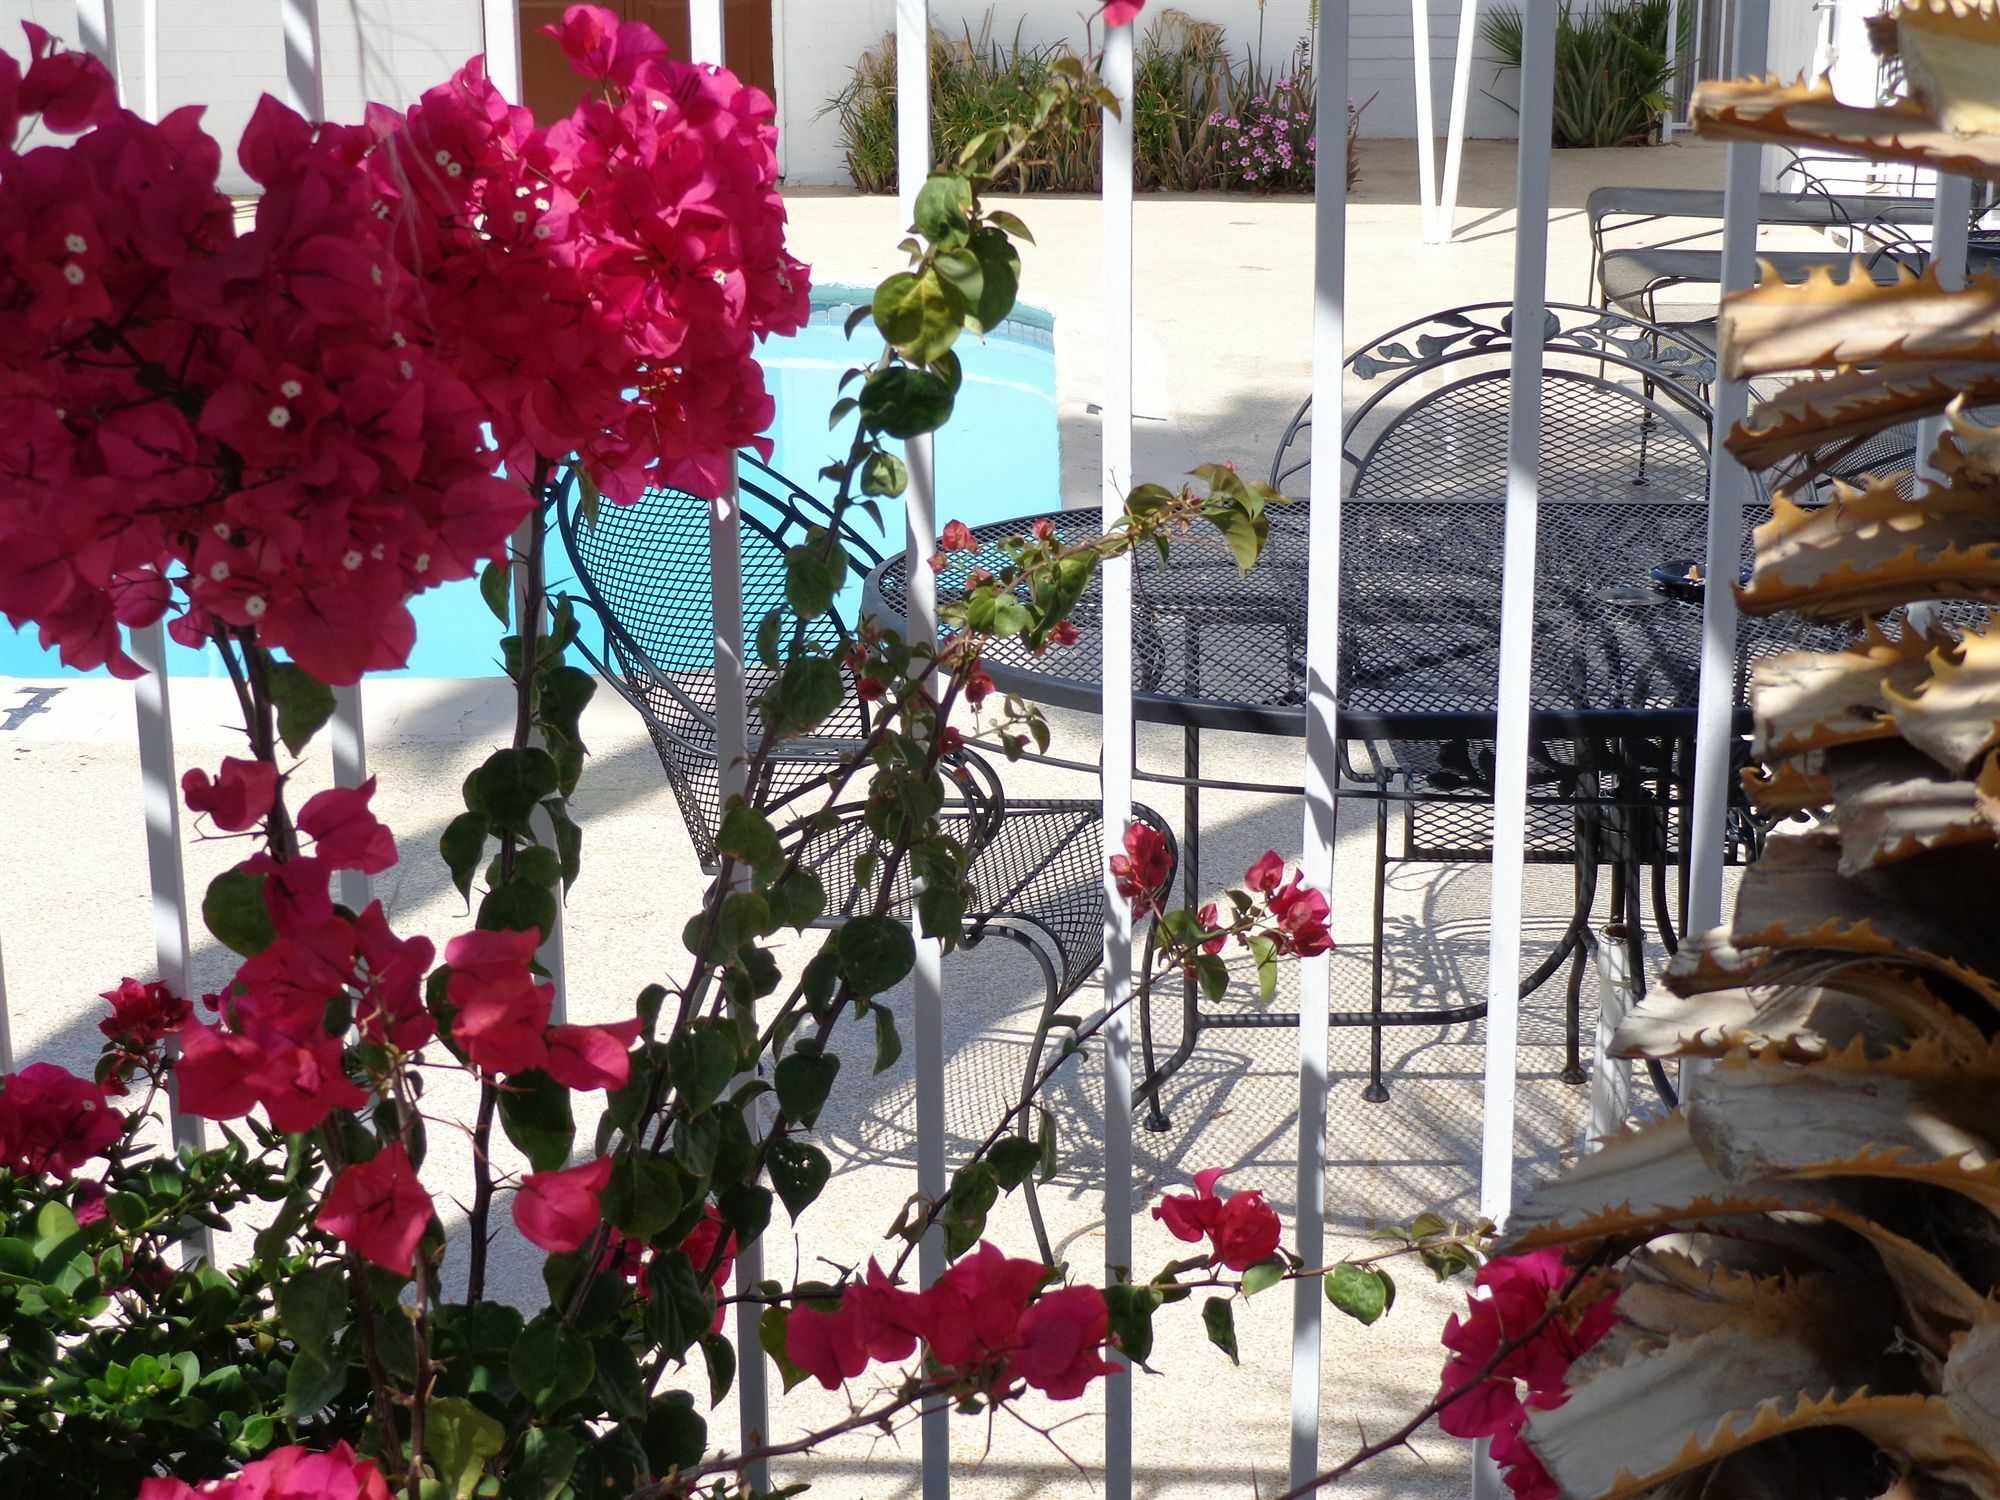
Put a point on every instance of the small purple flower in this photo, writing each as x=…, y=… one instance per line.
x=1249, y=176
x=1233, y=123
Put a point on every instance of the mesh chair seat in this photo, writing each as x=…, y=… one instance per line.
x=1630, y=277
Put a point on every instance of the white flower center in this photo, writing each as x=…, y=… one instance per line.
x=443, y=158
x=218, y=571
x=453, y=169
x=423, y=562
x=291, y=390
x=520, y=216
x=352, y=561
x=278, y=416
x=541, y=233
x=255, y=606
x=76, y=244
x=408, y=369
x=221, y=529
x=73, y=274
x=398, y=340
x=375, y=274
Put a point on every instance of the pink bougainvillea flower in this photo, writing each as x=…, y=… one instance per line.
x=1122, y=12
x=52, y=1121
x=1144, y=870
x=217, y=1072
x=1059, y=1339
x=592, y=1057
x=957, y=537
x=391, y=980
x=239, y=796
x=142, y=1014
x=1514, y=1293
x=1266, y=874
x=700, y=1248
x=559, y=1210
x=284, y=1474
x=1242, y=1229
x=502, y=1012
x=299, y=1086
x=379, y=1209
x=345, y=834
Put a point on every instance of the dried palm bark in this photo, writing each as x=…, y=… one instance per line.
x=1810, y=1246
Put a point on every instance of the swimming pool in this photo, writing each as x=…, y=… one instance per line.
x=999, y=456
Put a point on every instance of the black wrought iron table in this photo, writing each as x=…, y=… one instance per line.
x=1615, y=675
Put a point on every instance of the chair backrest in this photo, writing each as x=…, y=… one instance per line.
x=645, y=570
x=1668, y=372
x=1600, y=441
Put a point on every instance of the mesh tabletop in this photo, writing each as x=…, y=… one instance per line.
x=1616, y=650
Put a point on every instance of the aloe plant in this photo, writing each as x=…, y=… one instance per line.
x=1810, y=1248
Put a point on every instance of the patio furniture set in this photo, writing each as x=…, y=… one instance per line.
x=1623, y=505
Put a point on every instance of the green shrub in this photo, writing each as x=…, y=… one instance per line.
x=1188, y=95
x=1612, y=68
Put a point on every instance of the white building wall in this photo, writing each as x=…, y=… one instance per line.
x=226, y=54
x=818, y=41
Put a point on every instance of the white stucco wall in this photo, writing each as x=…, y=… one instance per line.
x=817, y=42
x=225, y=54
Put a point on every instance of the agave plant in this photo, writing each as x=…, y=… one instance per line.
x=1810, y=1248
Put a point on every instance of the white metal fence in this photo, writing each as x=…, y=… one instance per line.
x=1728, y=494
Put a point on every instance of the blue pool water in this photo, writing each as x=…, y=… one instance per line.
x=998, y=457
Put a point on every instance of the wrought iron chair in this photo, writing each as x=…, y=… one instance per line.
x=1625, y=429
x=1036, y=864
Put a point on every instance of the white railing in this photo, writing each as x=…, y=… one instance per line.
x=304, y=73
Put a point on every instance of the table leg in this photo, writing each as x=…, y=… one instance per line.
x=1611, y=1078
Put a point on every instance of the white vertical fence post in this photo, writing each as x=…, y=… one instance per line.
x=753, y=1397
x=501, y=22
x=1517, y=630
x=1951, y=222
x=97, y=34
x=1454, y=139
x=913, y=165
x=1116, y=773
x=305, y=91
x=1322, y=676
x=305, y=69
x=159, y=786
x=1728, y=489
x=1517, y=605
x=1427, y=175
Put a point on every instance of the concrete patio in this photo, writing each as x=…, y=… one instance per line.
x=1223, y=291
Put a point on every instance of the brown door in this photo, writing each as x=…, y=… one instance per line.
x=551, y=90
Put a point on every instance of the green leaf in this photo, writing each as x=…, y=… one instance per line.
x=798, y=1171
x=797, y=901
x=803, y=1081
x=1219, y=1318
x=569, y=839
x=552, y=1365
x=905, y=402
x=462, y=844
x=304, y=704
x=674, y=1434
x=812, y=579
x=771, y=1334
x=521, y=905
x=310, y=1384
x=494, y=587
x=1000, y=219
x=511, y=782
x=1362, y=1292
x=565, y=692
x=542, y=1465
x=975, y=1188
x=746, y=834
x=720, y=1357
x=535, y=1113
x=312, y=1306
x=888, y=1044
x=808, y=689
x=876, y=953
x=538, y=865
x=620, y=1385
x=1266, y=1273
x=678, y=1310
x=235, y=913
x=883, y=475
x=1131, y=1309
x=747, y=1207
x=458, y=1439
x=960, y=270
x=1000, y=277
x=701, y=1061
x=643, y=1196
x=944, y=205
x=1013, y=1157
